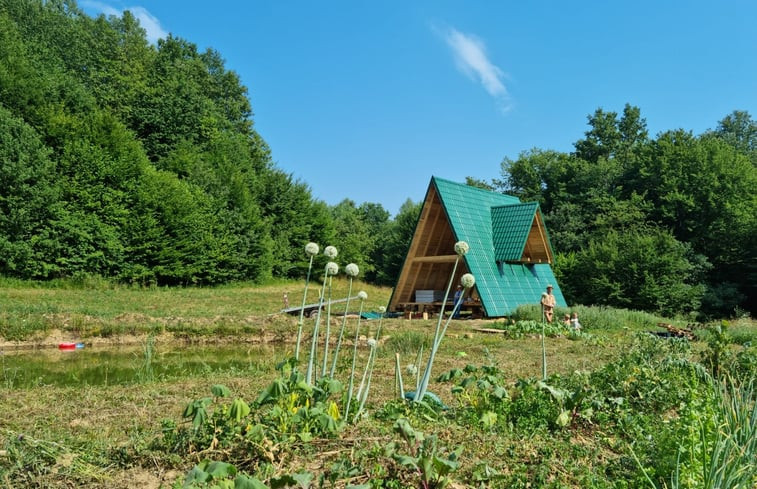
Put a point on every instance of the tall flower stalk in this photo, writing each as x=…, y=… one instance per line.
x=352, y=271
x=365, y=382
x=461, y=248
x=331, y=269
x=467, y=281
x=382, y=311
x=327, y=336
x=362, y=394
x=543, y=345
x=362, y=296
x=417, y=371
x=398, y=376
x=311, y=249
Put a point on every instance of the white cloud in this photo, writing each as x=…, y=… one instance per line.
x=471, y=59
x=99, y=7
x=149, y=22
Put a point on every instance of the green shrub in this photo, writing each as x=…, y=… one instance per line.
x=531, y=408
x=653, y=376
x=481, y=394
x=595, y=317
x=523, y=328
x=405, y=342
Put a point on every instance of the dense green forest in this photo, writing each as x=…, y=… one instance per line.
x=141, y=163
x=666, y=224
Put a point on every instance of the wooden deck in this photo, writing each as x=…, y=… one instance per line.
x=312, y=309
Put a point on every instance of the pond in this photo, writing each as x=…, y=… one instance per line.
x=118, y=364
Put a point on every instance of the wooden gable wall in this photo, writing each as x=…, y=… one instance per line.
x=431, y=256
x=537, y=249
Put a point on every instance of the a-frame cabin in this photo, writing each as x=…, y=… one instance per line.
x=510, y=253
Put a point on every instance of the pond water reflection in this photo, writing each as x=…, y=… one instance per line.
x=117, y=365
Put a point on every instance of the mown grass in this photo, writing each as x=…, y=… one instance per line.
x=109, y=435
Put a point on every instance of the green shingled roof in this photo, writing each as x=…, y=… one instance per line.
x=496, y=227
x=510, y=227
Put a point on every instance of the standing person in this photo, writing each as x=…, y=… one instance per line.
x=548, y=303
x=456, y=302
x=574, y=321
x=566, y=320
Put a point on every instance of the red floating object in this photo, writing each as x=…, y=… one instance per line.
x=67, y=346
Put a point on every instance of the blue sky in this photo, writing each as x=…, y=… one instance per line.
x=366, y=100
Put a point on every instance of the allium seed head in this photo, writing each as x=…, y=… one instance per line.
x=467, y=280
x=352, y=270
x=311, y=249
x=330, y=252
x=332, y=268
x=411, y=369
x=362, y=295
x=461, y=248
x=372, y=343
x=382, y=309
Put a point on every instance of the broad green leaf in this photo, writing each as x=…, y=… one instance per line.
x=327, y=423
x=301, y=479
x=220, y=470
x=331, y=386
x=304, y=387
x=499, y=392
x=452, y=374
x=489, y=419
x=271, y=393
x=245, y=482
x=402, y=426
x=557, y=394
x=563, y=419
x=238, y=410
x=305, y=436
x=220, y=390
x=189, y=411
x=445, y=466
x=427, y=468
x=407, y=461
x=196, y=475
